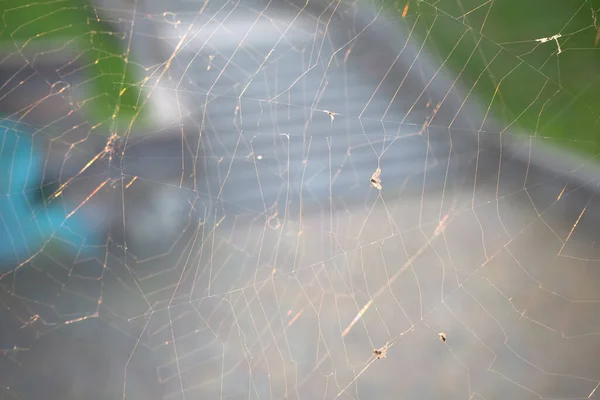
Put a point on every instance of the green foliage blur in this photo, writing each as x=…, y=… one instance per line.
x=507, y=52
x=32, y=29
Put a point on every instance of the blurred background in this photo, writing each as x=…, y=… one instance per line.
x=244, y=199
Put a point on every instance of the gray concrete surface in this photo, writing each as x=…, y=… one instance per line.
x=252, y=235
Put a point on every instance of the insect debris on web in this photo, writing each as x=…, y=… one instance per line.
x=380, y=353
x=375, y=180
x=442, y=336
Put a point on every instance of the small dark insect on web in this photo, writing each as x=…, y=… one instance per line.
x=375, y=180
x=442, y=336
x=380, y=353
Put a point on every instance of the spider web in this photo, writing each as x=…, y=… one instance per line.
x=268, y=200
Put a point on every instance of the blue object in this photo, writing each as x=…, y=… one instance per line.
x=26, y=222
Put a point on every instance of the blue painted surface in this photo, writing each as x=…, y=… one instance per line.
x=27, y=223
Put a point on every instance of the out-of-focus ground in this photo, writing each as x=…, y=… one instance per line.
x=242, y=239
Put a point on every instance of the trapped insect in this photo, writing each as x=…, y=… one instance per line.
x=375, y=180
x=442, y=336
x=380, y=353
